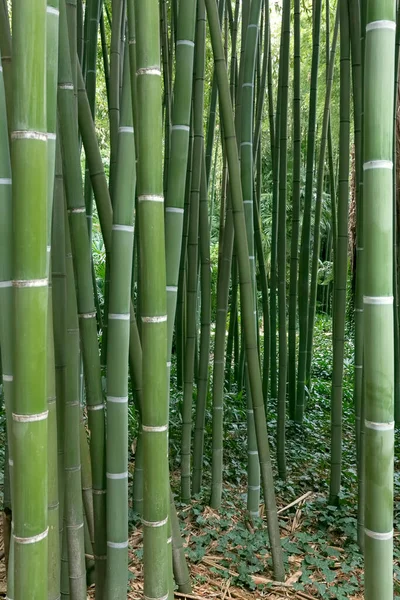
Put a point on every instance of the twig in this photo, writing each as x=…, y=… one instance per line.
x=303, y=497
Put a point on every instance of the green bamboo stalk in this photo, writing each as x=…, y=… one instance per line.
x=247, y=178
x=318, y=204
x=59, y=294
x=304, y=256
x=6, y=311
x=74, y=526
x=202, y=382
x=247, y=302
x=340, y=276
x=86, y=309
x=284, y=83
x=154, y=302
x=53, y=487
x=294, y=244
x=192, y=249
x=118, y=348
x=5, y=52
x=29, y=196
x=178, y=161
x=378, y=297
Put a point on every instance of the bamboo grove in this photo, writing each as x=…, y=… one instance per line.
x=214, y=138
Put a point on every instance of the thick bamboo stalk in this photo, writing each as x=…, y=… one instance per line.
x=30, y=411
x=118, y=348
x=378, y=297
x=154, y=302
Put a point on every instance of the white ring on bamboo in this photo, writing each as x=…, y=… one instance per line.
x=376, y=535
x=53, y=11
x=155, y=523
x=174, y=209
x=383, y=24
x=66, y=86
x=89, y=315
x=73, y=469
x=180, y=128
x=169, y=540
x=5, y=181
x=5, y=284
x=388, y=426
x=185, y=43
x=29, y=135
x=252, y=25
x=51, y=136
x=252, y=452
x=91, y=71
x=117, y=399
x=128, y=228
x=149, y=71
x=218, y=408
x=169, y=364
x=160, y=319
x=155, y=429
x=378, y=164
x=123, y=475
x=151, y=198
x=250, y=411
x=172, y=288
x=149, y=598
x=30, y=283
x=95, y=407
x=219, y=362
x=30, y=418
x=246, y=144
x=358, y=310
x=253, y=487
x=132, y=41
x=10, y=462
x=221, y=309
x=125, y=129
x=118, y=545
x=378, y=299
x=252, y=257
x=247, y=201
x=77, y=211
x=248, y=85
x=119, y=316
x=8, y=378
x=33, y=539
x=76, y=527
x=99, y=492
x=358, y=366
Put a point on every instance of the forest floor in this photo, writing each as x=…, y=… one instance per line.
x=228, y=556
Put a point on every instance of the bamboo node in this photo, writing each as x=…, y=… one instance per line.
x=155, y=523
x=30, y=418
x=376, y=535
x=185, y=43
x=387, y=426
x=30, y=283
x=123, y=475
x=53, y=11
x=33, y=539
x=378, y=300
x=151, y=198
x=29, y=135
x=5, y=180
x=149, y=71
x=118, y=545
x=157, y=319
x=155, y=429
x=382, y=24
